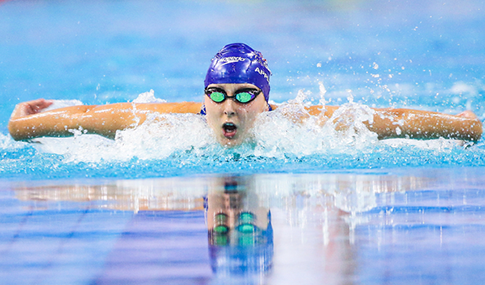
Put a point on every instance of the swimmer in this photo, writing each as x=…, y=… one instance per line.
x=236, y=91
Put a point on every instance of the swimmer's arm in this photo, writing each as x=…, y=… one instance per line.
x=28, y=122
x=407, y=123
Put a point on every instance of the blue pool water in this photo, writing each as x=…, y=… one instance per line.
x=418, y=226
x=343, y=207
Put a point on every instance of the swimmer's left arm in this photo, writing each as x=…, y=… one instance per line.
x=407, y=123
x=416, y=124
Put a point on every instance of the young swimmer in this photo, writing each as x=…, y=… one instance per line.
x=236, y=92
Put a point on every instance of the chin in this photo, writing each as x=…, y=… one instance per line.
x=230, y=142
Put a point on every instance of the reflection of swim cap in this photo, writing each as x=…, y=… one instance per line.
x=239, y=63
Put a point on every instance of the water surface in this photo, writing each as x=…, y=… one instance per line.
x=340, y=208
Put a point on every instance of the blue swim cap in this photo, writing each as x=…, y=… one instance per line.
x=239, y=63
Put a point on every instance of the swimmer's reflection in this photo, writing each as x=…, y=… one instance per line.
x=239, y=230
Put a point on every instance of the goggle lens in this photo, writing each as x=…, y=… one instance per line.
x=244, y=97
x=217, y=97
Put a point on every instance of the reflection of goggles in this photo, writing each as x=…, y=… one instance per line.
x=243, y=96
x=245, y=251
x=246, y=232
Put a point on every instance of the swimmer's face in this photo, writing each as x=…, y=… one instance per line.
x=230, y=120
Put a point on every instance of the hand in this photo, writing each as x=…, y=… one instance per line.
x=30, y=107
x=467, y=114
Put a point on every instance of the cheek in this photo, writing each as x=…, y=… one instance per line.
x=248, y=118
x=207, y=103
x=211, y=114
x=253, y=111
x=211, y=107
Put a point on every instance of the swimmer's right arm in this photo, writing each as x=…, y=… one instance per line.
x=28, y=122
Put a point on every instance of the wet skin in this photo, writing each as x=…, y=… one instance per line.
x=230, y=120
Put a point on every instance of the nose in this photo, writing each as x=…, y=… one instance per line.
x=229, y=108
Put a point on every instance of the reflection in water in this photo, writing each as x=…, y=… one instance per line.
x=349, y=192
x=240, y=231
x=128, y=195
x=306, y=237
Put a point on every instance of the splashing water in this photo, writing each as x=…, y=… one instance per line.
x=178, y=144
x=345, y=131
x=275, y=135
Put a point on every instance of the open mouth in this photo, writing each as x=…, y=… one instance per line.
x=229, y=130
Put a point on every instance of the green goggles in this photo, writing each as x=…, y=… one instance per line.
x=243, y=96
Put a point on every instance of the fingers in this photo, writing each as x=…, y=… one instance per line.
x=31, y=107
x=38, y=105
x=467, y=114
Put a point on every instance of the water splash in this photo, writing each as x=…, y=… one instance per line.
x=62, y=103
x=148, y=97
x=179, y=144
x=280, y=134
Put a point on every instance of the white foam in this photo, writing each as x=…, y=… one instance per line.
x=276, y=135
x=6, y=142
x=162, y=135
x=62, y=103
x=148, y=97
x=157, y=138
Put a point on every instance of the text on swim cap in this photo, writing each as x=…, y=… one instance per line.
x=231, y=59
x=262, y=73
